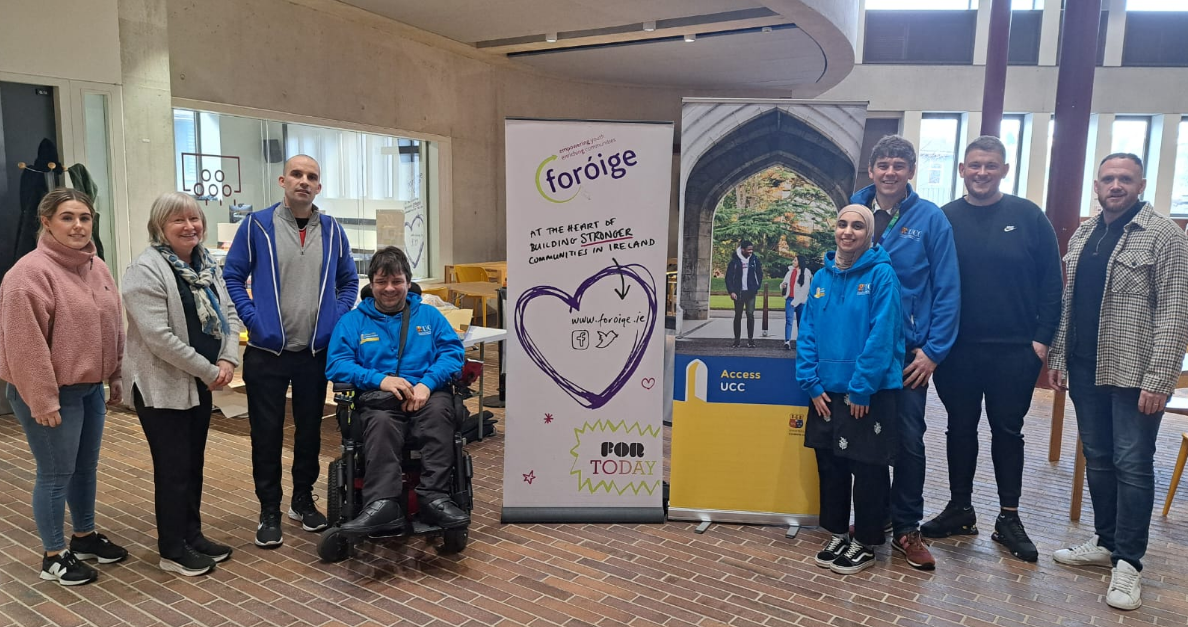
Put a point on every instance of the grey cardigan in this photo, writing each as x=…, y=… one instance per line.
x=158, y=358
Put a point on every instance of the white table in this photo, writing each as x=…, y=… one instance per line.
x=481, y=336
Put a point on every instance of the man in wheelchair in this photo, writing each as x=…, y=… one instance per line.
x=400, y=357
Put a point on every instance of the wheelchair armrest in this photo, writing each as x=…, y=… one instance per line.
x=343, y=387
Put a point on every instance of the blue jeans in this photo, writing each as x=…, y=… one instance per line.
x=907, y=488
x=1119, y=446
x=67, y=457
x=791, y=313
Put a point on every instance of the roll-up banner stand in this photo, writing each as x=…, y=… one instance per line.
x=772, y=172
x=587, y=233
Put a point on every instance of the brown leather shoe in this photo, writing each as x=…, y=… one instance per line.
x=914, y=550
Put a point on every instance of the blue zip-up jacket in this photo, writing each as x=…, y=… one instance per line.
x=366, y=343
x=850, y=336
x=925, y=260
x=253, y=255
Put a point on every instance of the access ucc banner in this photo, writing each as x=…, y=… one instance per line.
x=587, y=233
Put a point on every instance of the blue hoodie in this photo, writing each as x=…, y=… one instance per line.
x=850, y=336
x=255, y=246
x=366, y=341
x=925, y=259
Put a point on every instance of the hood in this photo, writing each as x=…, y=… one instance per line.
x=368, y=307
x=865, y=196
x=869, y=259
x=738, y=253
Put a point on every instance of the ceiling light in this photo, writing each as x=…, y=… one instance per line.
x=551, y=38
x=690, y=38
x=649, y=26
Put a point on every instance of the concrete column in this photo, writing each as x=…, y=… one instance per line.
x=1049, y=33
x=1037, y=159
x=982, y=32
x=860, y=43
x=1161, y=168
x=1115, y=32
x=1103, y=130
x=910, y=130
x=148, y=111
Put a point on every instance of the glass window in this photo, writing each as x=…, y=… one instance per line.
x=1156, y=5
x=374, y=185
x=1011, y=135
x=1179, y=203
x=939, y=155
x=1131, y=134
x=956, y=5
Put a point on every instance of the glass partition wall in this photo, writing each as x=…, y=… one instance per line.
x=376, y=186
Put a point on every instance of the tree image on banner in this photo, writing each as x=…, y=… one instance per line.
x=783, y=214
x=602, y=314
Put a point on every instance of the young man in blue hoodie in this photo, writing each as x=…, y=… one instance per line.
x=393, y=343
x=303, y=280
x=917, y=236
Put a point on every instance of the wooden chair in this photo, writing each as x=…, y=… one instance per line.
x=1176, y=474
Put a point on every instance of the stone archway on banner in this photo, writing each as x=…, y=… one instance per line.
x=773, y=138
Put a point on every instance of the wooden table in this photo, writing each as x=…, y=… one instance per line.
x=1078, y=491
x=477, y=289
x=496, y=270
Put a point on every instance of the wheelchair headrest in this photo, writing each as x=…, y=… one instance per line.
x=366, y=292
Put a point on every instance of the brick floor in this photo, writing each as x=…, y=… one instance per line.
x=576, y=574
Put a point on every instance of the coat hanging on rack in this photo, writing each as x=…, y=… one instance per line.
x=81, y=180
x=35, y=184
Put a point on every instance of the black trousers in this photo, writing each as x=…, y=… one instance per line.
x=867, y=484
x=383, y=442
x=267, y=377
x=1005, y=376
x=177, y=441
x=745, y=300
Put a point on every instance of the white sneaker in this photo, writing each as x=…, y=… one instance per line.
x=1126, y=587
x=1087, y=554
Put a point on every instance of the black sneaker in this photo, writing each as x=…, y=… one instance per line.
x=954, y=521
x=835, y=547
x=96, y=546
x=65, y=569
x=268, y=533
x=1009, y=532
x=213, y=550
x=302, y=508
x=189, y=562
x=735, y=344
x=856, y=558
x=787, y=346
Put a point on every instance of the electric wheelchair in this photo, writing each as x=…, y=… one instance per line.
x=345, y=479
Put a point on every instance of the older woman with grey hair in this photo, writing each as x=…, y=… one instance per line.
x=183, y=342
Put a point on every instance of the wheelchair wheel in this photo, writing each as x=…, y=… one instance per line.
x=335, y=492
x=455, y=540
x=333, y=546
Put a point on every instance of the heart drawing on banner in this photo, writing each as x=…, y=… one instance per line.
x=415, y=261
x=647, y=383
x=587, y=398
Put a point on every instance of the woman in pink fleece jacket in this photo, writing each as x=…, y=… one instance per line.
x=61, y=337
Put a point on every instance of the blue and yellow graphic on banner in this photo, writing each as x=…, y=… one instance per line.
x=738, y=437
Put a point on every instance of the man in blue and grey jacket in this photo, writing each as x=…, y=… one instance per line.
x=919, y=239
x=303, y=280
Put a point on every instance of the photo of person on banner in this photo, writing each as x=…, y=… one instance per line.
x=795, y=287
x=744, y=276
x=849, y=360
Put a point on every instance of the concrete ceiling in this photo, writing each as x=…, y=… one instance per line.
x=781, y=45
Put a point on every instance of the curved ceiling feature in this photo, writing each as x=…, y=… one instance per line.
x=770, y=60
x=794, y=47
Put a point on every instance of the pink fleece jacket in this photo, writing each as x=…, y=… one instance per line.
x=60, y=323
